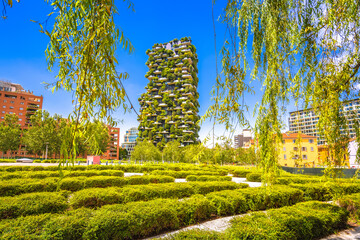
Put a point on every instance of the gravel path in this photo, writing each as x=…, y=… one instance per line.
x=348, y=234
x=219, y=225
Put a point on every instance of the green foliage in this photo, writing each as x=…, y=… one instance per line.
x=146, y=151
x=254, y=177
x=184, y=174
x=96, y=197
x=172, y=152
x=10, y=132
x=206, y=178
x=309, y=220
x=31, y=204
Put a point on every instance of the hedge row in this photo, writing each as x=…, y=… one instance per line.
x=352, y=204
x=241, y=172
x=308, y=220
x=253, y=177
x=32, y=204
x=16, y=187
x=46, y=174
x=96, y=197
x=207, y=178
x=184, y=174
x=326, y=191
x=126, y=221
x=144, y=168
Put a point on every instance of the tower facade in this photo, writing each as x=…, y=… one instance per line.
x=169, y=107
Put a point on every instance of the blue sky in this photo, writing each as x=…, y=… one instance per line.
x=22, y=47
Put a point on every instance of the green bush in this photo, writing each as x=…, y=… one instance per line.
x=196, y=234
x=31, y=204
x=241, y=173
x=206, y=178
x=96, y=197
x=253, y=177
x=352, y=204
x=309, y=220
x=184, y=174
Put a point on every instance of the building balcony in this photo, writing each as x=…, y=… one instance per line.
x=157, y=56
x=163, y=79
x=184, y=71
x=157, y=72
x=151, y=53
x=157, y=96
x=164, y=132
x=162, y=105
x=171, y=83
x=185, y=50
x=157, y=123
x=183, y=98
x=148, y=102
x=188, y=131
x=153, y=65
x=159, y=84
x=186, y=43
x=164, y=55
x=171, y=95
x=158, y=60
x=189, y=141
x=187, y=76
x=157, y=48
x=171, y=122
x=151, y=77
x=180, y=64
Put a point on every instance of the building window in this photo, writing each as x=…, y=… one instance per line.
x=303, y=149
x=284, y=149
x=304, y=156
x=312, y=149
x=311, y=140
x=22, y=103
x=3, y=111
x=10, y=112
x=283, y=141
x=11, y=107
x=294, y=141
x=295, y=148
x=4, y=100
x=284, y=156
x=12, y=102
x=21, y=108
x=4, y=106
x=20, y=114
x=20, y=119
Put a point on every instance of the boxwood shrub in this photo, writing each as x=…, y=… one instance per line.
x=308, y=220
x=32, y=204
x=206, y=178
x=253, y=177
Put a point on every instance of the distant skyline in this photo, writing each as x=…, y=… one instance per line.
x=22, y=51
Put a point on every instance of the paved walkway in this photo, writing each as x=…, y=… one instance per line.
x=348, y=234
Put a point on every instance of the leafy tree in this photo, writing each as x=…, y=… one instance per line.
x=123, y=153
x=172, y=152
x=10, y=132
x=42, y=133
x=97, y=138
x=146, y=151
x=308, y=51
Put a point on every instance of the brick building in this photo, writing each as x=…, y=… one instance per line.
x=15, y=100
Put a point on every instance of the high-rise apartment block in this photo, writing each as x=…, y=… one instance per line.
x=306, y=120
x=169, y=108
x=112, y=152
x=130, y=140
x=15, y=100
x=243, y=140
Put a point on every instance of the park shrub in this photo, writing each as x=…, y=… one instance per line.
x=352, y=204
x=297, y=179
x=309, y=220
x=19, y=186
x=184, y=174
x=241, y=172
x=32, y=204
x=206, y=178
x=7, y=160
x=96, y=197
x=253, y=177
x=196, y=234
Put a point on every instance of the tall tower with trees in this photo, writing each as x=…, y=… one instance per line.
x=169, y=107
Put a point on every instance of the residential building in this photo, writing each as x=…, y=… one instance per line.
x=130, y=140
x=169, y=108
x=15, y=100
x=112, y=153
x=354, y=162
x=323, y=151
x=306, y=120
x=298, y=150
x=243, y=140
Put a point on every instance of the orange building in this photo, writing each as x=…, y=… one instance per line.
x=112, y=152
x=15, y=100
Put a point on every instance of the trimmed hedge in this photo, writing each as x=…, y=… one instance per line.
x=352, y=204
x=16, y=187
x=308, y=220
x=253, y=177
x=32, y=204
x=206, y=178
x=184, y=174
x=131, y=220
x=241, y=172
x=96, y=197
x=196, y=234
